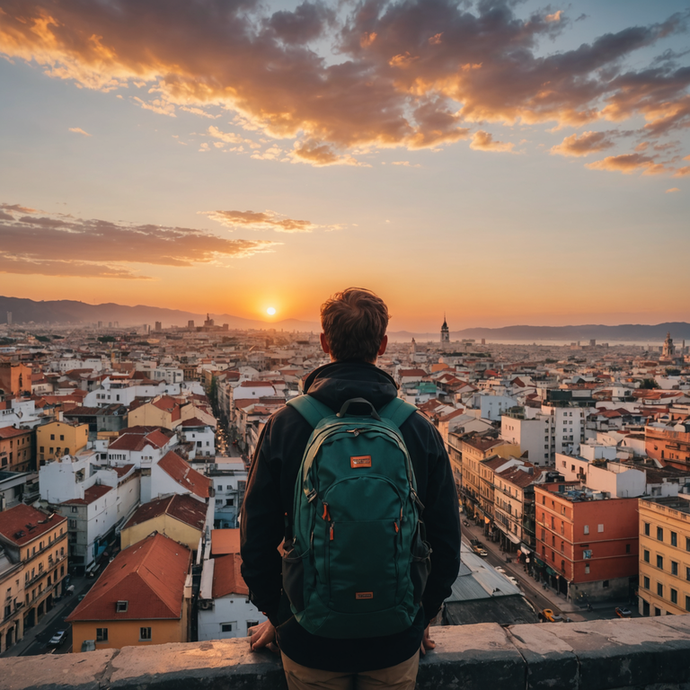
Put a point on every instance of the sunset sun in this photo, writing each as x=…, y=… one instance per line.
x=271, y=311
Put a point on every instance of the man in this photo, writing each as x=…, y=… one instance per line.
x=354, y=326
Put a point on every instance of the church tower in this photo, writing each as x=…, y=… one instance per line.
x=669, y=349
x=445, y=333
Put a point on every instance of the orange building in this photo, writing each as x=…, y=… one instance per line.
x=15, y=379
x=36, y=543
x=16, y=450
x=587, y=544
x=142, y=598
x=668, y=445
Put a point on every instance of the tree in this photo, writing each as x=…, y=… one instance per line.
x=649, y=384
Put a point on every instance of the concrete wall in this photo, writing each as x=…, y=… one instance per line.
x=631, y=654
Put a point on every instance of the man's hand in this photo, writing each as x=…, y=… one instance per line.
x=263, y=635
x=427, y=642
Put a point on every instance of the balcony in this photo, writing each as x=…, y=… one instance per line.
x=598, y=655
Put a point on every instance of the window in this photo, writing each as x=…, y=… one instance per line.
x=646, y=582
x=52, y=437
x=251, y=624
x=674, y=568
x=674, y=596
x=101, y=634
x=586, y=568
x=600, y=528
x=660, y=562
x=605, y=584
x=627, y=548
x=72, y=524
x=687, y=543
x=586, y=529
x=674, y=539
x=75, y=509
x=121, y=606
x=144, y=634
x=660, y=533
x=687, y=603
x=42, y=450
x=226, y=627
x=62, y=437
x=220, y=487
x=660, y=589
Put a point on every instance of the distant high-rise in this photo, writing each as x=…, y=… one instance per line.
x=209, y=323
x=190, y=324
x=9, y=318
x=159, y=326
x=445, y=333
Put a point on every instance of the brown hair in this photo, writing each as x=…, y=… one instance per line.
x=354, y=322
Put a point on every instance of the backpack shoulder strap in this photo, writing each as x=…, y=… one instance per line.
x=397, y=411
x=311, y=409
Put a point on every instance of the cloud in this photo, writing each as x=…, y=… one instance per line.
x=320, y=154
x=406, y=164
x=265, y=220
x=374, y=74
x=583, y=144
x=58, y=244
x=79, y=130
x=483, y=141
x=673, y=189
x=627, y=163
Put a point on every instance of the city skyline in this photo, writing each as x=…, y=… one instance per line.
x=504, y=163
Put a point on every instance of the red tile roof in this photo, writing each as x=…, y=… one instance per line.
x=255, y=384
x=184, y=475
x=22, y=524
x=225, y=541
x=133, y=439
x=227, y=578
x=122, y=471
x=11, y=432
x=93, y=493
x=149, y=576
x=180, y=506
x=193, y=422
x=411, y=372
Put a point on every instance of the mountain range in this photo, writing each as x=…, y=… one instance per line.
x=65, y=312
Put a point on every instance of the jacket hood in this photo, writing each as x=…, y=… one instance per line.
x=334, y=383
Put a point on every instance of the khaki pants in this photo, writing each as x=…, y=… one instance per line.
x=400, y=677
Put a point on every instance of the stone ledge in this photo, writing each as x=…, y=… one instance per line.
x=631, y=654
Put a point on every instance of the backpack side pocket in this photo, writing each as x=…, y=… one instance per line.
x=420, y=567
x=293, y=578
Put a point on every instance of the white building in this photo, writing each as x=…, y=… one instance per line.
x=201, y=435
x=492, y=407
x=544, y=432
x=123, y=392
x=224, y=607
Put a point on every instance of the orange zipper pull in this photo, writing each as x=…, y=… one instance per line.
x=331, y=532
x=395, y=523
x=326, y=515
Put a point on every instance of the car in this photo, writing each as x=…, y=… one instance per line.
x=483, y=553
x=514, y=580
x=57, y=639
x=551, y=617
x=500, y=570
x=623, y=612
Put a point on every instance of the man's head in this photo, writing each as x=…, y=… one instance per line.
x=354, y=324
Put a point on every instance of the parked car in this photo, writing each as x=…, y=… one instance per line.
x=551, y=617
x=483, y=553
x=57, y=639
x=514, y=581
x=623, y=612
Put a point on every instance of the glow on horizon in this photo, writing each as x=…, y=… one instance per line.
x=251, y=166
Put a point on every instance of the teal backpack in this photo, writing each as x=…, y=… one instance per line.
x=356, y=561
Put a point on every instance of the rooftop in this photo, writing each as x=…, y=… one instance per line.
x=22, y=524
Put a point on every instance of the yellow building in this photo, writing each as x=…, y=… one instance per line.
x=664, y=556
x=35, y=555
x=60, y=438
x=162, y=411
x=180, y=517
x=142, y=598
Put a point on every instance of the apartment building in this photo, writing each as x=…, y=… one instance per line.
x=664, y=586
x=37, y=542
x=514, y=505
x=669, y=444
x=543, y=432
x=16, y=450
x=586, y=543
x=56, y=439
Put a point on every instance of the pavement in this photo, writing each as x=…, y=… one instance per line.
x=557, y=600
x=81, y=586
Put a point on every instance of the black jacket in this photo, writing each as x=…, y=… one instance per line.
x=269, y=497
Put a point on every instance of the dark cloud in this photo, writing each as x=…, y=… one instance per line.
x=413, y=73
x=62, y=245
